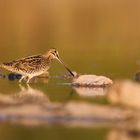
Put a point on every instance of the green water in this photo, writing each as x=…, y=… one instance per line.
x=10, y=132
x=53, y=93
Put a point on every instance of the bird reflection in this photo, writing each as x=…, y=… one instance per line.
x=88, y=92
x=41, y=79
x=30, y=95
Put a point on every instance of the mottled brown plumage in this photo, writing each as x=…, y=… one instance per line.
x=32, y=66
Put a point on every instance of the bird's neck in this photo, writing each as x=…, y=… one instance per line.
x=48, y=57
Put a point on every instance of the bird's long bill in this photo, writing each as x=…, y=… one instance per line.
x=65, y=66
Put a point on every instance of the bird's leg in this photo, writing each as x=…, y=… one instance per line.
x=22, y=87
x=28, y=86
x=20, y=80
x=28, y=79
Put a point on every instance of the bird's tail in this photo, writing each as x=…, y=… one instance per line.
x=2, y=66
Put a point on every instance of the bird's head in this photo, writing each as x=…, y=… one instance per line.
x=53, y=53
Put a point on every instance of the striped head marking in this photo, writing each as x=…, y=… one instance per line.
x=53, y=53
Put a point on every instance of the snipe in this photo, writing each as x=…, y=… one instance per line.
x=33, y=66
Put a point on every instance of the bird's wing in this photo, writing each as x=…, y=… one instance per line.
x=26, y=64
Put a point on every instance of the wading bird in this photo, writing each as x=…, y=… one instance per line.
x=33, y=66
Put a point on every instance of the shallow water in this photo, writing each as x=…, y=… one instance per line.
x=50, y=132
x=53, y=92
x=20, y=117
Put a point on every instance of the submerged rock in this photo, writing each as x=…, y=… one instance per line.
x=92, y=81
x=13, y=76
x=125, y=93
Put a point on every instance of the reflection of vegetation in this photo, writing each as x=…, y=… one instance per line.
x=34, y=24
